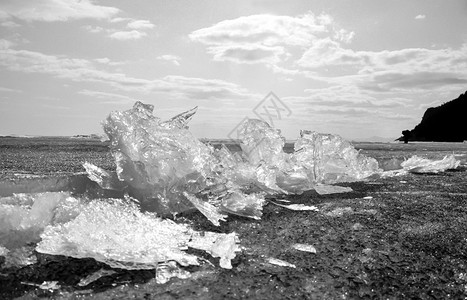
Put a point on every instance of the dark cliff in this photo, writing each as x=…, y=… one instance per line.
x=444, y=123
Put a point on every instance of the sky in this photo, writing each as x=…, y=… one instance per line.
x=355, y=68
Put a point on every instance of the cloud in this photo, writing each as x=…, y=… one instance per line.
x=316, y=48
x=5, y=44
x=326, y=52
x=265, y=38
x=120, y=19
x=55, y=10
x=204, y=89
x=108, y=97
x=248, y=54
x=135, y=29
x=411, y=68
x=140, y=24
x=347, y=96
x=127, y=35
x=170, y=58
x=414, y=80
x=93, y=29
x=9, y=24
x=262, y=29
x=420, y=17
x=8, y=90
x=107, y=61
x=82, y=70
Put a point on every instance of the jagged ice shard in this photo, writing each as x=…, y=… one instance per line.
x=158, y=160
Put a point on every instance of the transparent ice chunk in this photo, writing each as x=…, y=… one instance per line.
x=330, y=159
x=304, y=248
x=280, y=262
x=20, y=257
x=39, y=184
x=244, y=205
x=106, y=180
x=262, y=144
x=207, y=209
x=116, y=232
x=300, y=207
x=24, y=216
x=170, y=171
x=3, y=251
x=181, y=120
x=168, y=270
x=416, y=164
x=219, y=245
x=159, y=160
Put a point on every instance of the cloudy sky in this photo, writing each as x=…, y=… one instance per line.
x=355, y=68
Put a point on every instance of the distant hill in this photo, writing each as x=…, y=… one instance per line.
x=444, y=123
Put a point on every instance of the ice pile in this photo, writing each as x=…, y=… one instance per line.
x=24, y=216
x=330, y=159
x=113, y=231
x=169, y=170
x=417, y=164
x=116, y=232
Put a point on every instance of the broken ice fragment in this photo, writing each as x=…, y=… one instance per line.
x=20, y=257
x=330, y=159
x=49, y=285
x=302, y=207
x=3, y=251
x=24, y=216
x=417, y=164
x=158, y=160
x=168, y=270
x=219, y=245
x=304, y=248
x=262, y=143
x=46, y=285
x=181, y=120
x=105, y=179
x=339, y=211
x=208, y=210
x=280, y=262
x=244, y=205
